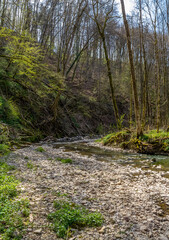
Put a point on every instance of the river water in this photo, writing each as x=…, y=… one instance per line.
x=144, y=161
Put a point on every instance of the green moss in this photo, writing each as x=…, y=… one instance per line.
x=116, y=137
x=68, y=215
x=64, y=160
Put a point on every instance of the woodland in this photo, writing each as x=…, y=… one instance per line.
x=73, y=71
x=81, y=67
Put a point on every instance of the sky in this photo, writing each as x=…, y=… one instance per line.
x=129, y=5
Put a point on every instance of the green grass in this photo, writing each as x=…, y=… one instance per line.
x=68, y=215
x=40, y=149
x=64, y=160
x=12, y=212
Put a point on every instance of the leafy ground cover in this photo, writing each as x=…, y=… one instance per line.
x=69, y=215
x=13, y=213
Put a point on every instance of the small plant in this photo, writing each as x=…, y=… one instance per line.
x=69, y=215
x=144, y=137
x=64, y=160
x=40, y=149
x=59, y=194
x=29, y=165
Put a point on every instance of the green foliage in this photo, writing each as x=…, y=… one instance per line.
x=154, y=135
x=144, y=137
x=64, y=160
x=40, y=149
x=12, y=212
x=69, y=215
x=22, y=52
x=166, y=145
x=9, y=112
x=4, y=149
x=120, y=121
x=28, y=84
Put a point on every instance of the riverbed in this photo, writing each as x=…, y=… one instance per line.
x=131, y=193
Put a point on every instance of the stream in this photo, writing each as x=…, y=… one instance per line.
x=106, y=154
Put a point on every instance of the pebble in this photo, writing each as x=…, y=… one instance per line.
x=130, y=205
x=38, y=231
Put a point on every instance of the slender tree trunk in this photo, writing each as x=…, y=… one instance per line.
x=135, y=94
x=111, y=83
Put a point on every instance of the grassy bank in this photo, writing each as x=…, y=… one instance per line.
x=150, y=142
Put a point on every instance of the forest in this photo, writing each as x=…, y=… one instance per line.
x=63, y=59
x=95, y=72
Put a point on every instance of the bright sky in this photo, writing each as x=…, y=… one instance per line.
x=129, y=5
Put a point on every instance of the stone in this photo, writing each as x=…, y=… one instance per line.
x=163, y=237
x=38, y=231
x=102, y=230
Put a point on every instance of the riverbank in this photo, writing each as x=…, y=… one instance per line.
x=133, y=201
x=150, y=142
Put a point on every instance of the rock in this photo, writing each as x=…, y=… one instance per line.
x=159, y=167
x=31, y=218
x=163, y=237
x=143, y=228
x=102, y=230
x=38, y=231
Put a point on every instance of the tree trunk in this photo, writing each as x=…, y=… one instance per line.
x=135, y=94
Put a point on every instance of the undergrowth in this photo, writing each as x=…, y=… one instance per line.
x=64, y=160
x=4, y=149
x=69, y=215
x=150, y=142
x=12, y=212
x=40, y=149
